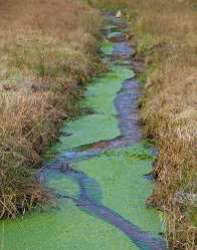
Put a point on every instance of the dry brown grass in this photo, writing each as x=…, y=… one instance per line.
x=108, y=5
x=47, y=52
x=165, y=33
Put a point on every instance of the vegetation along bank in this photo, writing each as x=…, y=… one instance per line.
x=48, y=53
x=46, y=57
x=164, y=34
x=166, y=43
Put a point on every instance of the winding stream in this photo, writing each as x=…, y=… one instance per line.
x=97, y=171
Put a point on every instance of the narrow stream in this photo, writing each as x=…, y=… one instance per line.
x=97, y=170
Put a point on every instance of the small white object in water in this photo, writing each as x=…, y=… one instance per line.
x=119, y=14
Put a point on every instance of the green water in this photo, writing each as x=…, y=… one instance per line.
x=67, y=227
x=119, y=173
x=103, y=125
x=107, y=48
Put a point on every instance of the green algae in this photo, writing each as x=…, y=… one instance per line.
x=95, y=128
x=102, y=92
x=102, y=125
x=106, y=48
x=68, y=227
x=57, y=183
x=119, y=173
x=111, y=27
x=121, y=177
x=114, y=34
x=113, y=31
x=65, y=227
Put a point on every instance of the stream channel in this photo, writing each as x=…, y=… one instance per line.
x=98, y=171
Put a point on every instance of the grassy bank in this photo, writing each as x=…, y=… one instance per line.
x=109, y=5
x=48, y=52
x=165, y=36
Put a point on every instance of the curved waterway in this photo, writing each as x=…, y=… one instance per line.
x=97, y=170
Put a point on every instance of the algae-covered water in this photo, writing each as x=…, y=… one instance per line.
x=100, y=198
x=102, y=124
x=120, y=176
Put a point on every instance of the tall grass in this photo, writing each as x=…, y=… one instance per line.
x=165, y=34
x=109, y=5
x=47, y=52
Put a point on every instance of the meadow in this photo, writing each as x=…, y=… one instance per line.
x=164, y=33
x=47, y=54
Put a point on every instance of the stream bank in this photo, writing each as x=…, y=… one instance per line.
x=97, y=171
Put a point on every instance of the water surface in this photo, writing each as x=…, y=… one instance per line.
x=97, y=170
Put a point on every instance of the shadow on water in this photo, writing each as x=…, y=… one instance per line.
x=89, y=201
